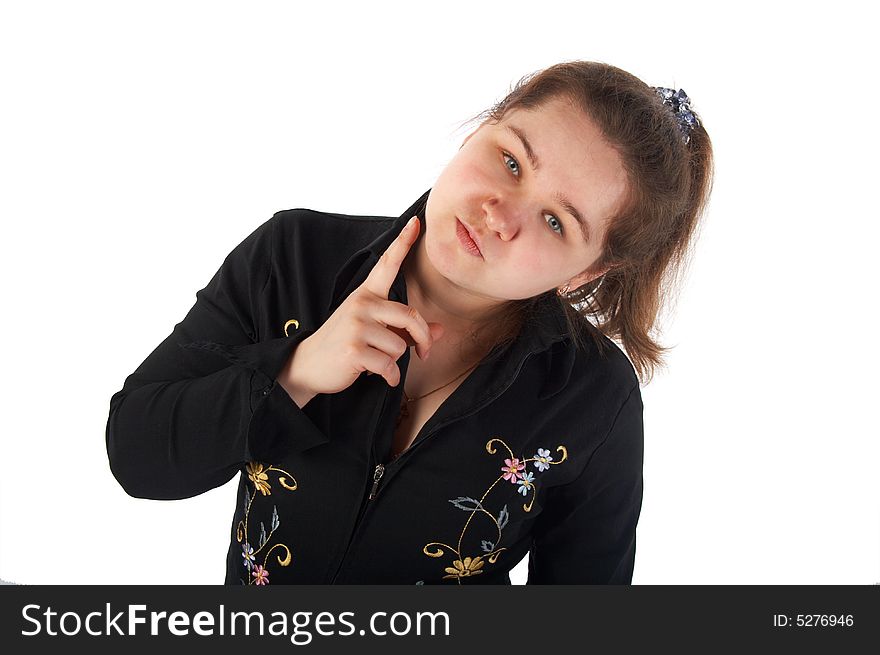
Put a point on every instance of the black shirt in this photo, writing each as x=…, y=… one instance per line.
x=539, y=450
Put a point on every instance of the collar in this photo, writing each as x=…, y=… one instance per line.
x=548, y=333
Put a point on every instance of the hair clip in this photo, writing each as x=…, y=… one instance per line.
x=680, y=105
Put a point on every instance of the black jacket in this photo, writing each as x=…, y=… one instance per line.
x=538, y=451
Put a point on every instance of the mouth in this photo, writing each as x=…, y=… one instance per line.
x=468, y=240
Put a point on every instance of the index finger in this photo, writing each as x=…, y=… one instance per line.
x=382, y=275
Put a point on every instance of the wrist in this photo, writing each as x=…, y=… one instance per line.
x=288, y=379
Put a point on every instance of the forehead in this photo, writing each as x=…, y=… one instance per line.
x=574, y=159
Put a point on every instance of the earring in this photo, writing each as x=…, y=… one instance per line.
x=562, y=292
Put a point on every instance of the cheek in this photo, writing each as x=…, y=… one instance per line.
x=523, y=276
x=530, y=262
x=440, y=252
x=463, y=173
x=529, y=267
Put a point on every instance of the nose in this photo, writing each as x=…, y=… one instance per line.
x=503, y=216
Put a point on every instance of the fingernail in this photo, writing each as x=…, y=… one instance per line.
x=411, y=222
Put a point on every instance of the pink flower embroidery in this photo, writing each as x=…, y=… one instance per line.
x=512, y=468
x=261, y=575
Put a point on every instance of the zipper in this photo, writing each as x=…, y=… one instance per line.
x=377, y=475
x=378, y=471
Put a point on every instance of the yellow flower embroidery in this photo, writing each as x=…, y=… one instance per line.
x=470, y=566
x=259, y=477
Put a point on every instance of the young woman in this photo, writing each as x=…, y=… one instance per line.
x=517, y=428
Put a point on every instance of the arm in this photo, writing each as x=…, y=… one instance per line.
x=587, y=533
x=207, y=400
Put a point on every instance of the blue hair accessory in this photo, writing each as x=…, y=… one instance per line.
x=680, y=105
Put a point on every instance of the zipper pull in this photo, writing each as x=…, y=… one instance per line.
x=377, y=475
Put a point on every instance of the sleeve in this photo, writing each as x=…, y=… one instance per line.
x=587, y=531
x=206, y=400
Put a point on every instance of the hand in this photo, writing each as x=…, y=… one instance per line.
x=367, y=332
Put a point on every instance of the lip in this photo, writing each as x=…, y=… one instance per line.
x=470, y=234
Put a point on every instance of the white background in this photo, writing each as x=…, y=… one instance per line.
x=143, y=141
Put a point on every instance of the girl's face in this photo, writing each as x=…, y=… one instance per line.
x=517, y=187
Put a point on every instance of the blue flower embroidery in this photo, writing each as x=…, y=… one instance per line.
x=542, y=459
x=248, y=554
x=526, y=483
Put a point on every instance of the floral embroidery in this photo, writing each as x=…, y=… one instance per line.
x=259, y=477
x=261, y=575
x=512, y=468
x=526, y=483
x=248, y=555
x=258, y=474
x=470, y=566
x=542, y=459
x=512, y=471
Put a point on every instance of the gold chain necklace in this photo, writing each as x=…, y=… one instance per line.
x=404, y=402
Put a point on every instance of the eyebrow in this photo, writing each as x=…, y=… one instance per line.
x=559, y=197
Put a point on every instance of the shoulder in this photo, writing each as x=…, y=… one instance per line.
x=599, y=359
x=601, y=400
x=615, y=360
x=602, y=374
x=302, y=223
x=319, y=240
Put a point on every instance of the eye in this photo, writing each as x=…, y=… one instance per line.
x=560, y=231
x=508, y=156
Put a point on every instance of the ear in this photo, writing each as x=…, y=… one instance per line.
x=586, y=276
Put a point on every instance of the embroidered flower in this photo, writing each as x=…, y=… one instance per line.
x=248, y=554
x=258, y=474
x=259, y=477
x=261, y=575
x=526, y=483
x=512, y=468
x=462, y=569
x=542, y=459
x=478, y=508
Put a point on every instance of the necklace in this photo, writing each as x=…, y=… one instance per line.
x=406, y=400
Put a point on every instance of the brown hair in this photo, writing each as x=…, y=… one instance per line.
x=649, y=240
